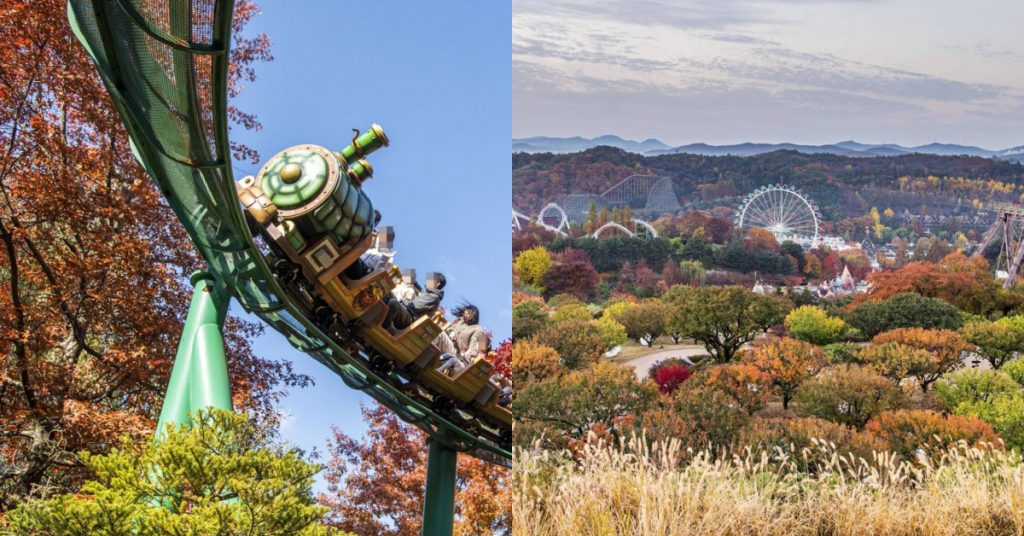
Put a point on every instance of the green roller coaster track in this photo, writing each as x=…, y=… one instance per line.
x=165, y=64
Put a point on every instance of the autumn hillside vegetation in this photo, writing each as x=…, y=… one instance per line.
x=898, y=411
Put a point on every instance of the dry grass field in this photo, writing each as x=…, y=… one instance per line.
x=633, y=489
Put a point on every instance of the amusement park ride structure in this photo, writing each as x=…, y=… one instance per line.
x=561, y=226
x=166, y=71
x=782, y=210
x=1008, y=229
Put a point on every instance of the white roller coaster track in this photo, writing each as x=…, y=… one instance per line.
x=641, y=223
x=611, y=225
x=563, y=226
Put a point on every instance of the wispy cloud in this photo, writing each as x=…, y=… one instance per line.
x=741, y=55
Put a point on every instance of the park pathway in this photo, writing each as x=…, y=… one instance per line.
x=643, y=363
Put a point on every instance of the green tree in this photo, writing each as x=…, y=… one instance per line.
x=219, y=477
x=528, y=318
x=612, y=333
x=693, y=273
x=974, y=386
x=697, y=249
x=723, y=318
x=998, y=342
x=906, y=310
x=848, y=394
x=572, y=403
x=532, y=265
x=645, y=321
x=812, y=324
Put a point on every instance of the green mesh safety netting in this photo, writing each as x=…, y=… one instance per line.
x=165, y=65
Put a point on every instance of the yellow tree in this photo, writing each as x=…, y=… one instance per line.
x=532, y=265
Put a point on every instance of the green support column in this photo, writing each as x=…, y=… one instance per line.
x=200, y=375
x=439, y=502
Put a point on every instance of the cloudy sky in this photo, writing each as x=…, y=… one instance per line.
x=804, y=71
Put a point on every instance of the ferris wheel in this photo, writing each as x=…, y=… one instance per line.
x=784, y=211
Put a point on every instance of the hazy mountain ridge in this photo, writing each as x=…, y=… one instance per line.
x=653, y=147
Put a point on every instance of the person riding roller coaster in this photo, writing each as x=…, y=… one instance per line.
x=470, y=338
x=402, y=313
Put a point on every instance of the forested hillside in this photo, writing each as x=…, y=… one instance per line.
x=842, y=186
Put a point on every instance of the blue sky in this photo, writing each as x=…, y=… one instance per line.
x=438, y=81
x=804, y=71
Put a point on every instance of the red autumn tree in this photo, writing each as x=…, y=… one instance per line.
x=572, y=273
x=671, y=273
x=376, y=486
x=501, y=358
x=93, y=291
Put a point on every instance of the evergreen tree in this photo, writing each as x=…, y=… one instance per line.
x=219, y=477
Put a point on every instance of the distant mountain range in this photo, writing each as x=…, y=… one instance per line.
x=652, y=147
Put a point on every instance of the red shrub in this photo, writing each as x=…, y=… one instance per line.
x=670, y=377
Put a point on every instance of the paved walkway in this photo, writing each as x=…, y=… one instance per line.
x=643, y=363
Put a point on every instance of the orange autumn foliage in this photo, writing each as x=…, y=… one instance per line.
x=532, y=362
x=744, y=382
x=944, y=348
x=964, y=282
x=376, y=486
x=93, y=293
x=906, y=431
x=786, y=363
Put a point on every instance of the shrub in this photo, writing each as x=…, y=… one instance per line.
x=849, y=395
x=559, y=300
x=653, y=371
x=1004, y=413
x=571, y=311
x=1015, y=369
x=743, y=382
x=528, y=318
x=671, y=377
x=790, y=437
x=973, y=386
x=699, y=418
x=787, y=363
x=907, y=310
x=615, y=309
x=907, y=431
x=841, y=352
x=811, y=324
x=612, y=333
x=532, y=362
x=577, y=342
